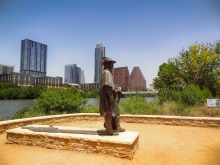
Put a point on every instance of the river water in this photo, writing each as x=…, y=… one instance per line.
x=9, y=107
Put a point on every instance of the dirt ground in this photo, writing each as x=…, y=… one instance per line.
x=158, y=145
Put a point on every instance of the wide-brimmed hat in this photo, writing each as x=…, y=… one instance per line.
x=107, y=60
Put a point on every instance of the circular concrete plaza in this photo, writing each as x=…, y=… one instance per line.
x=158, y=145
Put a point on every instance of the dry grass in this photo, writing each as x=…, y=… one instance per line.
x=176, y=109
x=173, y=109
x=204, y=111
x=167, y=108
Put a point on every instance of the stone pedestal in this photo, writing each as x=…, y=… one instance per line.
x=123, y=145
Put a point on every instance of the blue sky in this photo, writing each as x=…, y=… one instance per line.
x=140, y=33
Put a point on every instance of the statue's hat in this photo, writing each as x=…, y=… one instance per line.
x=107, y=60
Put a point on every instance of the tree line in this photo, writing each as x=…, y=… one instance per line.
x=13, y=91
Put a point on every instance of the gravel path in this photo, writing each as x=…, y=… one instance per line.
x=159, y=145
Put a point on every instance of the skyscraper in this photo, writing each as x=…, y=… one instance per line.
x=33, y=58
x=99, y=54
x=73, y=74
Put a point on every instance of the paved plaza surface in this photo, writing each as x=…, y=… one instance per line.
x=158, y=145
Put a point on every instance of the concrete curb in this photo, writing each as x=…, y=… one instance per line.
x=147, y=119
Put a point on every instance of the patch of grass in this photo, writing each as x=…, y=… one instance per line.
x=138, y=105
x=90, y=109
x=2, y=118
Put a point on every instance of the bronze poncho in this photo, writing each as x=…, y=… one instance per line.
x=106, y=91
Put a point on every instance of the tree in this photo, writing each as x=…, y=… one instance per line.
x=198, y=65
x=169, y=76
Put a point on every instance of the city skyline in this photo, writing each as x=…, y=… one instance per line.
x=135, y=33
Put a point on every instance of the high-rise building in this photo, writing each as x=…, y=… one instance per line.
x=6, y=69
x=137, y=80
x=129, y=82
x=99, y=54
x=122, y=78
x=68, y=74
x=82, y=77
x=73, y=74
x=33, y=58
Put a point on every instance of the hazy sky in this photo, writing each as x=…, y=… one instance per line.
x=135, y=32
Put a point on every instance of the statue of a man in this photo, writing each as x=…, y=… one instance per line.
x=109, y=99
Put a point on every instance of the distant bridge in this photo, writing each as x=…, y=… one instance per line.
x=140, y=92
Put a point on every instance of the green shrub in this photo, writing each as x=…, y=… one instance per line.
x=192, y=95
x=205, y=93
x=60, y=100
x=53, y=101
x=20, y=114
x=167, y=94
x=91, y=93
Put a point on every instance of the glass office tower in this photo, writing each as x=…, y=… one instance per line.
x=73, y=74
x=33, y=58
x=99, y=54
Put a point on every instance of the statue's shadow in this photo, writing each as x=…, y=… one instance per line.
x=52, y=129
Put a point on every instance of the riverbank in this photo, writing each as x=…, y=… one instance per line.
x=135, y=105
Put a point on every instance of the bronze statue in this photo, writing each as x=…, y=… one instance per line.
x=109, y=99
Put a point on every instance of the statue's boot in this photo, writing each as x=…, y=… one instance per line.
x=117, y=123
x=113, y=124
x=108, y=126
